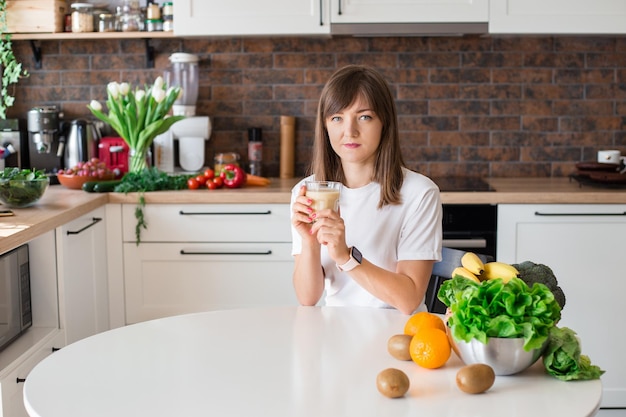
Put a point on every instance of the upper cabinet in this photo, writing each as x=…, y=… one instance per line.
x=251, y=17
x=409, y=11
x=557, y=16
x=409, y=17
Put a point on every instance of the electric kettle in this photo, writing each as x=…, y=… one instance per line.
x=81, y=142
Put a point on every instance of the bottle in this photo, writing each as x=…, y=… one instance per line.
x=255, y=150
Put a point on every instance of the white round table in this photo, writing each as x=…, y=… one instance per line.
x=274, y=362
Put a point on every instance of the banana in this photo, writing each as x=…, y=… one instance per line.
x=463, y=272
x=472, y=263
x=494, y=270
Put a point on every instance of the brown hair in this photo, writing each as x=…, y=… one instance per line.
x=341, y=90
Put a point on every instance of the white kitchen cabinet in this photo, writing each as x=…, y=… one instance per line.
x=17, y=359
x=199, y=257
x=250, y=17
x=557, y=16
x=409, y=11
x=82, y=270
x=584, y=246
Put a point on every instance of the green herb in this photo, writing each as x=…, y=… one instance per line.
x=563, y=358
x=141, y=221
x=150, y=179
x=495, y=309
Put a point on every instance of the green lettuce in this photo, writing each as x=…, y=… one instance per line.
x=563, y=360
x=494, y=308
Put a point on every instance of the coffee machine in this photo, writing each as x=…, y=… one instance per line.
x=46, y=142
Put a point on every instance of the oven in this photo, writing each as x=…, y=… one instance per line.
x=467, y=227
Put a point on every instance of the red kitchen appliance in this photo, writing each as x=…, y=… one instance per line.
x=113, y=151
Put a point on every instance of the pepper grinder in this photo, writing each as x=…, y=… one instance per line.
x=255, y=150
x=287, y=144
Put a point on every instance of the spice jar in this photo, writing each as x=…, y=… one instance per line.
x=154, y=25
x=222, y=159
x=82, y=17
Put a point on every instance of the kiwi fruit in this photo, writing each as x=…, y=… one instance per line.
x=475, y=378
x=392, y=383
x=398, y=346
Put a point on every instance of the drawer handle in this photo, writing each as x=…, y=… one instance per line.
x=184, y=252
x=538, y=213
x=94, y=220
x=223, y=213
x=19, y=380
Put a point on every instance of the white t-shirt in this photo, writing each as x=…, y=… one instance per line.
x=408, y=231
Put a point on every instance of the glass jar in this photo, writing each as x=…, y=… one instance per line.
x=130, y=19
x=153, y=12
x=222, y=159
x=82, y=17
x=154, y=25
x=168, y=24
x=168, y=9
x=106, y=22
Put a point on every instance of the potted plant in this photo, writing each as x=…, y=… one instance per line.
x=10, y=68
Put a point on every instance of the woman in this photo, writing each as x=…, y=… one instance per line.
x=379, y=248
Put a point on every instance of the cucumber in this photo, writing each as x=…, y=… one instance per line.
x=106, y=186
x=89, y=186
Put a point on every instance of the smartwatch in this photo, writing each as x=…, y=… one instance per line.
x=355, y=260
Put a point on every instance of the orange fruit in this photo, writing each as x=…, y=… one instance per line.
x=423, y=320
x=430, y=348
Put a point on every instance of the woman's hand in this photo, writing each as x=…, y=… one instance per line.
x=303, y=216
x=330, y=231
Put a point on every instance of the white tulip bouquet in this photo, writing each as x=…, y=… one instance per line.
x=138, y=116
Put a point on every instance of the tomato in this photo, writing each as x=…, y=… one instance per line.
x=218, y=181
x=201, y=179
x=211, y=185
x=192, y=184
x=209, y=173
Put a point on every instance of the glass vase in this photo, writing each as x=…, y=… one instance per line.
x=138, y=161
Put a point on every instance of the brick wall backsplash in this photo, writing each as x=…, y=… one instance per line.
x=468, y=106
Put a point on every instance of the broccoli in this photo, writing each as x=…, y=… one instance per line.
x=530, y=273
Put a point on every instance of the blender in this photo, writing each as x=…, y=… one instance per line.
x=184, y=73
x=183, y=145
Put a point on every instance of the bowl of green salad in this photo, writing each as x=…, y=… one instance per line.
x=21, y=188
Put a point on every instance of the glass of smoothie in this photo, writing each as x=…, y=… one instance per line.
x=325, y=194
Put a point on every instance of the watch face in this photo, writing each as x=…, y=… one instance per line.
x=357, y=255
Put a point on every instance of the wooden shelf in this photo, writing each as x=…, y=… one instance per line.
x=68, y=36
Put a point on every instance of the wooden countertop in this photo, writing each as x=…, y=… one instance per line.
x=57, y=207
x=60, y=205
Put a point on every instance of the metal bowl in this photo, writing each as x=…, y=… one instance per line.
x=505, y=356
